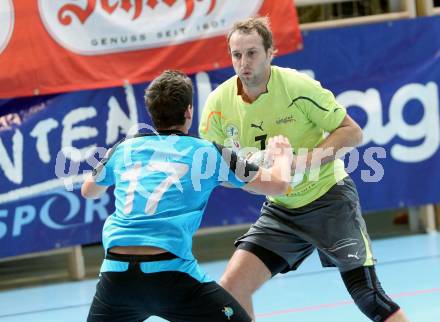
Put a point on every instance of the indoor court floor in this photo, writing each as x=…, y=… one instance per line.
x=409, y=268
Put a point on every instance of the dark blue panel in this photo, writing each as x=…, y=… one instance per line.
x=387, y=74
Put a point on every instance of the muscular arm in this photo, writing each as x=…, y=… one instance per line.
x=276, y=179
x=339, y=142
x=271, y=181
x=91, y=190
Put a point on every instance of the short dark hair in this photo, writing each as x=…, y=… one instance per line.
x=168, y=97
x=260, y=24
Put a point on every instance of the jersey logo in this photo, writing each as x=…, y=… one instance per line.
x=285, y=120
x=231, y=131
x=257, y=126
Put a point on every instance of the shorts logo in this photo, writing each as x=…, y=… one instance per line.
x=349, y=246
x=6, y=23
x=96, y=27
x=353, y=255
x=228, y=311
x=343, y=243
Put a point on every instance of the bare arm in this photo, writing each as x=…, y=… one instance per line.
x=340, y=141
x=90, y=189
x=275, y=180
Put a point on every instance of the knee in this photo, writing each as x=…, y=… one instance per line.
x=239, y=287
x=367, y=293
x=226, y=282
x=231, y=284
x=244, y=274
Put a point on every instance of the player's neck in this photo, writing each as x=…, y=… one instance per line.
x=180, y=128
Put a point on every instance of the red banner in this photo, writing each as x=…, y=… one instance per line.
x=65, y=45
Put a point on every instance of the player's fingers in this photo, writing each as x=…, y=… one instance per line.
x=281, y=141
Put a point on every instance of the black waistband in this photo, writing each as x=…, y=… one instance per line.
x=140, y=258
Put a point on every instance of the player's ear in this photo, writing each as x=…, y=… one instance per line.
x=271, y=53
x=189, y=112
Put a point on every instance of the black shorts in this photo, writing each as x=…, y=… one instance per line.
x=282, y=238
x=133, y=296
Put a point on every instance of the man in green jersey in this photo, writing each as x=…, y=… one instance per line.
x=321, y=209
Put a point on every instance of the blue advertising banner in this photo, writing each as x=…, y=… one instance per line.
x=387, y=75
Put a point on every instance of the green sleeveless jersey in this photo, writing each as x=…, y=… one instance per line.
x=295, y=106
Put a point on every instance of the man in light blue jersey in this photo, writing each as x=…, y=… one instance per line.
x=162, y=185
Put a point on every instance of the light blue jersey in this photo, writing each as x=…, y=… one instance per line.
x=162, y=185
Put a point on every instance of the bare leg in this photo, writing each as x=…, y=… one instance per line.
x=244, y=274
x=399, y=316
